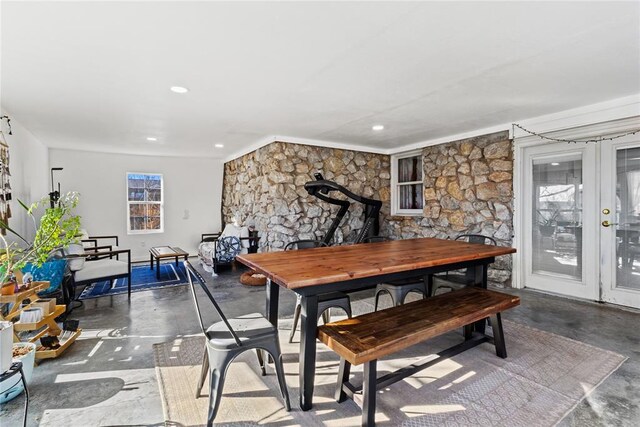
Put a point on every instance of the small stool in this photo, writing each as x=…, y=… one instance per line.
x=16, y=368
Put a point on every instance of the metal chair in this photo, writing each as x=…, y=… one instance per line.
x=228, y=338
x=325, y=301
x=456, y=280
x=397, y=290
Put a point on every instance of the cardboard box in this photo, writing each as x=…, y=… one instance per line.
x=47, y=305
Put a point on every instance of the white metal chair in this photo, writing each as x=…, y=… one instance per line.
x=460, y=278
x=227, y=339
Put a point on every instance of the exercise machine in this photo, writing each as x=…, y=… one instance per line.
x=322, y=189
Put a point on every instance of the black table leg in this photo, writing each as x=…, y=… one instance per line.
x=308, y=331
x=158, y=268
x=151, y=261
x=177, y=260
x=273, y=295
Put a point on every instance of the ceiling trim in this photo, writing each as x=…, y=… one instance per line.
x=628, y=106
x=304, y=141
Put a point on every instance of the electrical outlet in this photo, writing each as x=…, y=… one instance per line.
x=143, y=244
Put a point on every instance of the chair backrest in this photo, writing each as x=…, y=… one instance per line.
x=304, y=244
x=475, y=238
x=192, y=273
x=374, y=239
x=478, y=238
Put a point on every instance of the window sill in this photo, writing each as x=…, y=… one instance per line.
x=404, y=216
x=134, y=233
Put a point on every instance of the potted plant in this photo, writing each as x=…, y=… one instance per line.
x=24, y=352
x=58, y=227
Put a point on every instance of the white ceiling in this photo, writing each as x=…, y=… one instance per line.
x=96, y=75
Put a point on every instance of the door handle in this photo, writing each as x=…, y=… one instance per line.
x=606, y=223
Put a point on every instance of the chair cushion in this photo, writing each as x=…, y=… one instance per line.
x=249, y=326
x=239, y=232
x=75, y=264
x=101, y=269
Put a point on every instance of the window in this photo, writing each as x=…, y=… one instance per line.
x=406, y=184
x=144, y=203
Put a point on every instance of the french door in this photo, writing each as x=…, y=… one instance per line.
x=559, y=218
x=581, y=220
x=620, y=222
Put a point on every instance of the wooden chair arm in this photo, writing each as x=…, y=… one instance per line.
x=97, y=248
x=94, y=241
x=105, y=237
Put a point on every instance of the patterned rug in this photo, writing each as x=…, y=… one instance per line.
x=543, y=379
x=142, y=279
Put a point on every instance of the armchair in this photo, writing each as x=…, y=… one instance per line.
x=99, y=243
x=87, y=268
x=218, y=249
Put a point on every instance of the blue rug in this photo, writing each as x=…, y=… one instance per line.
x=142, y=279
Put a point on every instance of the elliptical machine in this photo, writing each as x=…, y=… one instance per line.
x=321, y=188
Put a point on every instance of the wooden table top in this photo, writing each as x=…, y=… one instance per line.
x=167, y=251
x=320, y=266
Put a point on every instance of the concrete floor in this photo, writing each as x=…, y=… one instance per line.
x=107, y=378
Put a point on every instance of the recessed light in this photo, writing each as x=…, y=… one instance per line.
x=219, y=145
x=377, y=128
x=152, y=138
x=179, y=89
x=555, y=164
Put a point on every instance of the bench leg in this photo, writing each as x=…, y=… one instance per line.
x=498, y=336
x=369, y=395
x=343, y=377
x=480, y=279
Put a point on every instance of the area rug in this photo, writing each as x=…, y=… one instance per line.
x=543, y=379
x=142, y=279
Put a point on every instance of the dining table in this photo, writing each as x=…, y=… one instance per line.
x=348, y=268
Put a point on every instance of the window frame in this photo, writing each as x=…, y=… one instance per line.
x=129, y=202
x=395, y=185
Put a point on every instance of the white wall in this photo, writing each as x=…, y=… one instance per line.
x=192, y=196
x=29, y=165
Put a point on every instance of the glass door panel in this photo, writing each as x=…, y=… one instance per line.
x=557, y=209
x=559, y=213
x=628, y=218
x=620, y=223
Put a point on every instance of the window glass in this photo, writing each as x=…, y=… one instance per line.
x=144, y=198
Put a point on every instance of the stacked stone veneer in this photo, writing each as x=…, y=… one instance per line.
x=468, y=188
x=266, y=188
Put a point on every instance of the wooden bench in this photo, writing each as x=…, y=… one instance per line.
x=366, y=338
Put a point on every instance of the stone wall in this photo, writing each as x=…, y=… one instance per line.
x=266, y=188
x=468, y=189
